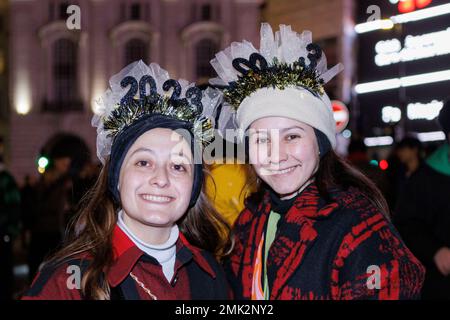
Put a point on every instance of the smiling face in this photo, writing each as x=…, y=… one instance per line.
x=155, y=183
x=284, y=153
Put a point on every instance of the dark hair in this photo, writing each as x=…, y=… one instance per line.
x=409, y=142
x=333, y=173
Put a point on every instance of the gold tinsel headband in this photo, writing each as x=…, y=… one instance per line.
x=128, y=100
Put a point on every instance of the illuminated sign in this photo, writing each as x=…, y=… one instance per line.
x=431, y=136
x=378, y=141
x=414, y=48
x=403, y=18
x=427, y=111
x=414, y=111
x=408, y=81
x=391, y=114
x=404, y=72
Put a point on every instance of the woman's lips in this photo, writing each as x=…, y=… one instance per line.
x=157, y=198
x=278, y=172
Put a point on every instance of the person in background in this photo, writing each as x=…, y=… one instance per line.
x=28, y=203
x=9, y=226
x=409, y=152
x=358, y=156
x=82, y=182
x=52, y=206
x=405, y=161
x=423, y=215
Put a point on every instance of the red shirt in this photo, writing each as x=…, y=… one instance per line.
x=196, y=276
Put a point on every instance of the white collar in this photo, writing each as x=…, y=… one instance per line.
x=161, y=252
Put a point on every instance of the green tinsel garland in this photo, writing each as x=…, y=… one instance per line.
x=278, y=75
x=125, y=114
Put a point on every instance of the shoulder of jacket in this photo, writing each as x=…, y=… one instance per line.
x=58, y=276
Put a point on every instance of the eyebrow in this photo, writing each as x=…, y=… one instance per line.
x=181, y=155
x=142, y=149
x=295, y=127
x=281, y=130
x=153, y=152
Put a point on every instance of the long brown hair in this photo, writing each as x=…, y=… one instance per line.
x=333, y=173
x=90, y=233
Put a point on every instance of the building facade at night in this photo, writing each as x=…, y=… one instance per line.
x=4, y=109
x=57, y=70
x=331, y=23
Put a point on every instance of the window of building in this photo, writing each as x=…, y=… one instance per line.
x=204, y=52
x=57, y=10
x=64, y=70
x=135, y=11
x=205, y=12
x=63, y=11
x=135, y=49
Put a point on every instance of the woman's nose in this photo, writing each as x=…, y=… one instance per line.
x=160, y=178
x=277, y=152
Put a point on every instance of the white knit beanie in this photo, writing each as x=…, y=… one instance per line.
x=294, y=103
x=284, y=78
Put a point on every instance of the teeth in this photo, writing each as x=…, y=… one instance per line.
x=283, y=171
x=156, y=198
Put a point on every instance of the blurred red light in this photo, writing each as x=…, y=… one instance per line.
x=384, y=165
x=422, y=3
x=406, y=6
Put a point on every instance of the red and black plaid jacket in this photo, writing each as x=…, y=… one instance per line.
x=325, y=251
x=197, y=275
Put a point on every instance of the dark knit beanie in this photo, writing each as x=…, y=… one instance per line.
x=128, y=136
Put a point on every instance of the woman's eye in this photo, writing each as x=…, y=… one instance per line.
x=142, y=163
x=261, y=140
x=179, y=167
x=292, y=137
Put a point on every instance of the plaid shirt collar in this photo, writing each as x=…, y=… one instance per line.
x=127, y=254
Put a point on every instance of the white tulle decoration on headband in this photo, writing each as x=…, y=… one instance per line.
x=284, y=59
x=141, y=89
x=285, y=46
